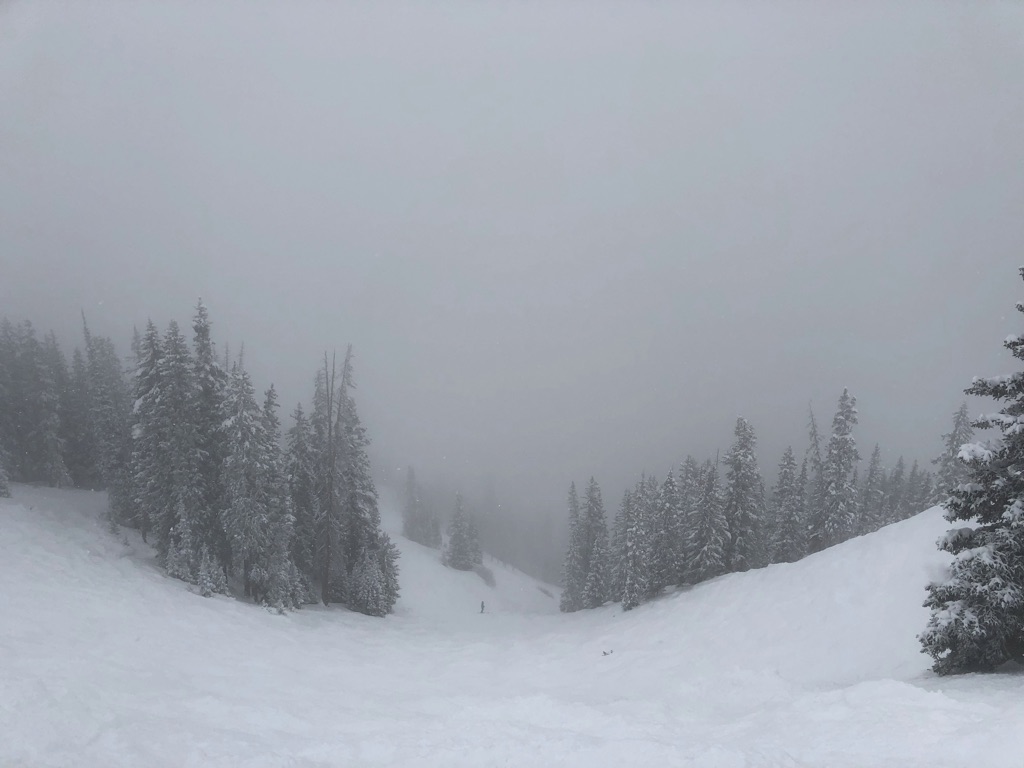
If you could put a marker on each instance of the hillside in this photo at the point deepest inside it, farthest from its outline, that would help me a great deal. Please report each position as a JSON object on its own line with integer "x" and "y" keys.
{"x": 104, "y": 661}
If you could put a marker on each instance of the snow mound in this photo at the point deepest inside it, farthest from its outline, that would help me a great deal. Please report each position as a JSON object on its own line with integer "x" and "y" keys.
{"x": 104, "y": 661}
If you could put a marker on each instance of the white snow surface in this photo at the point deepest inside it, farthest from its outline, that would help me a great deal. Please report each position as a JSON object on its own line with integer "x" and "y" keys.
{"x": 104, "y": 661}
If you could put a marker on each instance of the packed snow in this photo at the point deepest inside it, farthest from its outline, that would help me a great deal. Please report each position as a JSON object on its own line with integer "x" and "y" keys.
{"x": 105, "y": 661}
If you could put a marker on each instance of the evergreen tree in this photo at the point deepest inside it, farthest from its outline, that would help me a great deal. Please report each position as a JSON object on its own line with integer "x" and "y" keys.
{"x": 179, "y": 459}
{"x": 635, "y": 559}
{"x": 301, "y": 469}
{"x": 788, "y": 543}
{"x": 871, "y": 499}
{"x": 744, "y": 501}
{"x": 951, "y": 471}
{"x": 573, "y": 573}
{"x": 690, "y": 490}
{"x": 208, "y": 414}
{"x": 459, "y": 553}
{"x": 711, "y": 530}
{"x": 814, "y": 497}
{"x": 977, "y": 620}
{"x": 109, "y": 424}
{"x": 669, "y": 528}
{"x": 619, "y": 568}
{"x": 79, "y": 441}
{"x": 894, "y": 503}
{"x": 148, "y": 436}
{"x": 412, "y": 509}
{"x": 834, "y": 521}
{"x": 360, "y": 516}
{"x": 597, "y": 576}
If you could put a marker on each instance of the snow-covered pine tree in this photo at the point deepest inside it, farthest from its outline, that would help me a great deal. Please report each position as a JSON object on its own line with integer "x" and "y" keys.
{"x": 597, "y": 576}
{"x": 636, "y": 557}
{"x": 951, "y": 471}
{"x": 208, "y": 413}
{"x": 689, "y": 489}
{"x": 814, "y": 495}
{"x": 282, "y": 587}
{"x": 919, "y": 490}
{"x": 328, "y": 550}
{"x": 977, "y": 620}
{"x": 109, "y": 418}
{"x": 835, "y": 520}
{"x": 49, "y": 433}
{"x": 248, "y": 518}
{"x": 79, "y": 442}
{"x": 459, "y": 553}
{"x": 361, "y": 531}
{"x": 711, "y": 529}
{"x": 788, "y": 543}
{"x": 894, "y": 504}
{"x": 870, "y": 514}
{"x": 573, "y": 573}
{"x": 388, "y": 554}
{"x": 148, "y": 436}
{"x": 667, "y": 526}
{"x": 618, "y": 547}
{"x": 301, "y": 468}
{"x": 179, "y": 458}
{"x": 744, "y": 501}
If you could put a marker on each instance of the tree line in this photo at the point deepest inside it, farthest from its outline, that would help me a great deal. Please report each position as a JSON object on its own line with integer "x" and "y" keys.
{"x": 194, "y": 462}
{"x": 714, "y": 517}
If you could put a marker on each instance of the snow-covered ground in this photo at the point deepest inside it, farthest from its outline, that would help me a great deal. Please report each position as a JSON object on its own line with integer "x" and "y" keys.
{"x": 106, "y": 662}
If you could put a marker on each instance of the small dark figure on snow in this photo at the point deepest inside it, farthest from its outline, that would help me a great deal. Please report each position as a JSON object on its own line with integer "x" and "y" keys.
{"x": 481, "y": 606}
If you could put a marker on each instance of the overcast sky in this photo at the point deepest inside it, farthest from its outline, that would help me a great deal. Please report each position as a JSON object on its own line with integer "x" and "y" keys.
{"x": 565, "y": 238}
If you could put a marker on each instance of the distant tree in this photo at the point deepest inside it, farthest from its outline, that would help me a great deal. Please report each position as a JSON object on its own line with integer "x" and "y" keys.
{"x": 573, "y": 573}
{"x": 597, "y": 581}
{"x": 80, "y": 447}
{"x": 834, "y": 521}
{"x": 460, "y": 552}
{"x": 711, "y": 532}
{"x": 871, "y": 515}
{"x": 150, "y": 435}
{"x": 208, "y": 413}
{"x": 789, "y": 542}
{"x": 977, "y": 620}
{"x": 689, "y": 490}
{"x": 744, "y": 501}
{"x": 951, "y": 471}
{"x": 635, "y": 560}
{"x": 895, "y": 500}
{"x": 181, "y": 459}
{"x": 815, "y": 491}
{"x": 618, "y": 559}
{"x": 301, "y": 470}
{"x": 669, "y": 527}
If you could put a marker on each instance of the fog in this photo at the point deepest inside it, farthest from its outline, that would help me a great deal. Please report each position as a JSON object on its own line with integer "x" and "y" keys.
{"x": 564, "y": 238}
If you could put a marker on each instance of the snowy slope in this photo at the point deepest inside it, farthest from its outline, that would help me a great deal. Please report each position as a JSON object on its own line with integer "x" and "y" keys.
{"x": 106, "y": 662}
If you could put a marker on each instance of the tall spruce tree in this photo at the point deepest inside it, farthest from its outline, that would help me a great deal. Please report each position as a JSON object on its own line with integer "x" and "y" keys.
{"x": 597, "y": 571}
{"x": 977, "y": 620}
{"x": 744, "y": 501}
{"x": 573, "y": 573}
{"x": 711, "y": 529}
{"x": 951, "y": 471}
{"x": 109, "y": 424}
{"x": 460, "y": 551}
{"x": 871, "y": 514}
{"x": 208, "y": 413}
{"x": 789, "y": 541}
{"x": 179, "y": 460}
{"x": 148, "y": 436}
{"x": 690, "y": 490}
{"x": 894, "y": 504}
{"x": 815, "y": 492}
{"x": 835, "y": 520}
{"x": 362, "y": 538}
{"x": 301, "y": 469}
{"x": 669, "y": 530}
